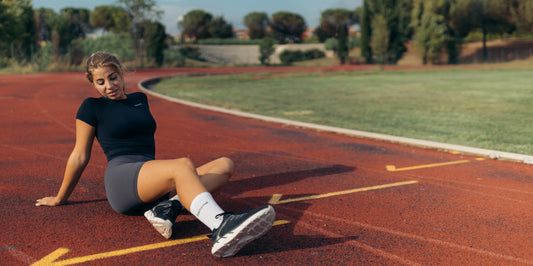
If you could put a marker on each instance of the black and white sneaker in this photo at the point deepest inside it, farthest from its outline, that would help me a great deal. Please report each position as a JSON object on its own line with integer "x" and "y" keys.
{"x": 163, "y": 216}
{"x": 237, "y": 230}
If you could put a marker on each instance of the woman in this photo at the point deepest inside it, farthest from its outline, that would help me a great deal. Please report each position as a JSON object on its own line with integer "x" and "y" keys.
{"x": 135, "y": 181}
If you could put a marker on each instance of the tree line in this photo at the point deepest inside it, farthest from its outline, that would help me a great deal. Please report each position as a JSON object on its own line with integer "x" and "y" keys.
{"x": 42, "y": 36}
{"x": 435, "y": 27}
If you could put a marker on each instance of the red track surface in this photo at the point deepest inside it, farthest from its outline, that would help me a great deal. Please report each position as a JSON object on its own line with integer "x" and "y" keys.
{"x": 470, "y": 212}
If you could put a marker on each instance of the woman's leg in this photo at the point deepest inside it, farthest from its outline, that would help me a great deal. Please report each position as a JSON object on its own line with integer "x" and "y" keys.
{"x": 215, "y": 174}
{"x": 158, "y": 177}
{"x": 212, "y": 175}
{"x": 230, "y": 231}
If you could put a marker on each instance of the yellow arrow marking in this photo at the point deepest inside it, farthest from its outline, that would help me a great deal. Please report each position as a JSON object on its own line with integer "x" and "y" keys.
{"x": 276, "y": 198}
{"x": 392, "y": 168}
{"x": 51, "y": 258}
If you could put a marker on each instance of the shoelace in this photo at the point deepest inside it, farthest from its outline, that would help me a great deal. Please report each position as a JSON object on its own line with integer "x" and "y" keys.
{"x": 222, "y": 214}
{"x": 217, "y": 216}
{"x": 171, "y": 209}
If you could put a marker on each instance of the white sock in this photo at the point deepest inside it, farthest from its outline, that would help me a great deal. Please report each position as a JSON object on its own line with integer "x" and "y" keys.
{"x": 175, "y": 198}
{"x": 206, "y": 209}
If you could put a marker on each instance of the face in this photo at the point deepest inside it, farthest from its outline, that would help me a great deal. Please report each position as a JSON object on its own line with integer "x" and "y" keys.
{"x": 108, "y": 83}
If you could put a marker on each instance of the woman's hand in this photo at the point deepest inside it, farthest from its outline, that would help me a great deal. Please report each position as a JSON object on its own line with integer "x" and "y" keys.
{"x": 48, "y": 201}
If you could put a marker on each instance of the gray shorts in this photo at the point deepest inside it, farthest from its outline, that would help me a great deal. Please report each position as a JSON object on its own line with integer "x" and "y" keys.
{"x": 121, "y": 183}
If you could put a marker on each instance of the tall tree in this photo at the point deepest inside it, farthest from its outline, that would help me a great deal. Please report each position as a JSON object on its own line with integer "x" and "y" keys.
{"x": 17, "y": 29}
{"x": 396, "y": 14}
{"x": 335, "y": 23}
{"x": 43, "y": 18}
{"x": 288, "y": 27}
{"x": 332, "y": 19}
{"x": 257, "y": 24}
{"x": 366, "y": 33}
{"x": 430, "y": 28}
{"x": 266, "y": 49}
{"x": 110, "y": 18}
{"x": 380, "y": 39}
{"x": 140, "y": 11}
{"x": 219, "y": 28}
{"x": 488, "y": 16}
{"x": 79, "y": 24}
{"x": 522, "y": 15}
{"x": 70, "y": 24}
{"x": 154, "y": 36}
{"x": 7, "y": 33}
{"x": 195, "y": 24}
{"x": 342, "y": 47}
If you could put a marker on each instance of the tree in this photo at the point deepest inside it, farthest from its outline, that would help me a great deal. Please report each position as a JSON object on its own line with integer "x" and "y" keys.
{"x": 154, "y": 35}
{"x": 522, "y": 15}
{"x": 43, "y": 18}
{"x": 430, "y": 28}
{"x": 488, "y": 16}
{"x": 140, "y": 11}
{"x": 17, "y": 29}
{"x": 380, "y": 39}
{"x": 342, "y": 49}
{"x": 266, "y": 49}
{"x": 70, "y": 24}
{"x": 110, "y": 18}
{"x": 7, "y": 33}
{"x": 257, "y": 24}
{"x": 394, "y": 17}
{"x": 219, "y": 28}
{"x": 288, "y": 27}
{"x": 195, "y": 24}
{"x": 357, "y": 15}
{"x": 332, "y": 19}
{"x": 335, "y": 23}
{"x": 366, "y": 32}
{"x": 79, "y": 24}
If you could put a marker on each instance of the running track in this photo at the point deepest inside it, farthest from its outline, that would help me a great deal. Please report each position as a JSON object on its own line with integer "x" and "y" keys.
{"x": 339, "y": 199}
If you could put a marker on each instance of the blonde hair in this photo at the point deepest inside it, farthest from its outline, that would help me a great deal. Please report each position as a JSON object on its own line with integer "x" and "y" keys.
{"x": 103, "y": 59}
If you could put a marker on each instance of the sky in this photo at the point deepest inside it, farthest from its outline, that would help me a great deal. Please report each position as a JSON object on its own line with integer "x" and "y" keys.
{"x": 233, "y": 11}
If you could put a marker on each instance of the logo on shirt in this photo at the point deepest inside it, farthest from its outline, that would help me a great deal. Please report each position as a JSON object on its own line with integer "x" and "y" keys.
{"x": 138, "y": 104}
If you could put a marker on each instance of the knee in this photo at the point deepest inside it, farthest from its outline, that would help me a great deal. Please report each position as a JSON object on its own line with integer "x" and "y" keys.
{"x": 228, "y": 165}
{"x": 183, "y": 164}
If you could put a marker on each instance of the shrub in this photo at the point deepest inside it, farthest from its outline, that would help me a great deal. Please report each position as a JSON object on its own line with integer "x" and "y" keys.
{"x": 354, "y": 42}
{"x": 229, "y": 41}
{"x": 266, "y": 49}
{"x": 287, "y": 56}
{"x": 190, "y": 52}
{"x": 4, "y": 62}
{"x": 119, "y": 44}
{"x": 174, "y": 58}
{"x": 314, "y": 54}
{"x": 331, "y": 44}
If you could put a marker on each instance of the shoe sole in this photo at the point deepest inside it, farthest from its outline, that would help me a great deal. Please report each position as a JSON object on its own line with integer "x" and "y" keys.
{"x": 164, "y": 227}
{"x": 252, "y": 228}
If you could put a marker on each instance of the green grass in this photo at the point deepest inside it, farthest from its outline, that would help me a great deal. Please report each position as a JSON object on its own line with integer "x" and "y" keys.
{"x": 491, "y": 109}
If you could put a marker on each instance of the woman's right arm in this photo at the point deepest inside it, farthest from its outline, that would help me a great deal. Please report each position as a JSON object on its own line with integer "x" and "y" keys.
{"x": 77, "y": 161}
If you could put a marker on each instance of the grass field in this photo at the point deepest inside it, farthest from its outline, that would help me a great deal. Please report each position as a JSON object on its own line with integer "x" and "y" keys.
{"x": 487, "y": 108}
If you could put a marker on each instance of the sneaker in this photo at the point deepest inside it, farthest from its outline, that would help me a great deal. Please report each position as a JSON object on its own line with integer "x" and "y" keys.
{"x": 237, "y": 230}
{"x": 163, "y": 215}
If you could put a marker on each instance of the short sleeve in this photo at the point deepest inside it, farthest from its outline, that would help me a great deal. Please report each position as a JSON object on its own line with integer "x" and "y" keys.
{"x": 87, "y": 112}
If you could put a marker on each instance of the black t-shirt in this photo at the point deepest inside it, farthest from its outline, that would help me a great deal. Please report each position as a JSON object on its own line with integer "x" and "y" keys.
{"x": 123, "y": 127}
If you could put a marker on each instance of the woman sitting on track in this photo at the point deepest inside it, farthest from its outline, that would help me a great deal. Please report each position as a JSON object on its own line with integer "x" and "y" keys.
{"x": 135, "y": 181}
